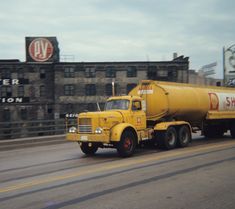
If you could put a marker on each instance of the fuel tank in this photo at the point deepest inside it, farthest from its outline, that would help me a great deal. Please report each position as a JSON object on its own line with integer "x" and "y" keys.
{"x": 178, "y": 101}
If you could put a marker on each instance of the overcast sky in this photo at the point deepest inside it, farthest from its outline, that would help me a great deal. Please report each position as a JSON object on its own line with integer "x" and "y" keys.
{"x": 122, "y": 30}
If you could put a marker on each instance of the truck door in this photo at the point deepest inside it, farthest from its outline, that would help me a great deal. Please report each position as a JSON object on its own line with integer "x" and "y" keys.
{"x": 138, "y": 118}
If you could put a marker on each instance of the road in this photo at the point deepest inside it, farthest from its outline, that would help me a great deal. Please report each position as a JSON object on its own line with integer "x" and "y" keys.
{"x": 60, "y": 176}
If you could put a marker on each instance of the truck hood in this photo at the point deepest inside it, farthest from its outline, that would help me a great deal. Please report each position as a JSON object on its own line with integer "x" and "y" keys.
{"x": 104, "y": 119}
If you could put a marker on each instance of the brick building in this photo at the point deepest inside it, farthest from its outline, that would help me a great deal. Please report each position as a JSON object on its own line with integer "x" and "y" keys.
{"x": 79, "y": 86}
{"x": 47, "y": 89}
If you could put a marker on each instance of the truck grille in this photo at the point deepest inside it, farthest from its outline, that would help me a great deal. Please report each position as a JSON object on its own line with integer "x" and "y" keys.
{"x": 84, "y": 125}
{"x": 84, "y": 128}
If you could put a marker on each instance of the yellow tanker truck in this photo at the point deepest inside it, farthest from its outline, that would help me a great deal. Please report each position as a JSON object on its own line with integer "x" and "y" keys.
{"x": 163, "y": 112}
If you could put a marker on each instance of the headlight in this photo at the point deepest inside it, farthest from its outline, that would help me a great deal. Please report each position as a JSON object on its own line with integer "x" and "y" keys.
{"x": 72, "y": 129}
{"x": 98, "y": 130}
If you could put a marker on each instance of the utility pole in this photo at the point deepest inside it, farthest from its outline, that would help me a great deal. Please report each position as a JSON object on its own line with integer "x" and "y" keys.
{"x": 224, "y": 67}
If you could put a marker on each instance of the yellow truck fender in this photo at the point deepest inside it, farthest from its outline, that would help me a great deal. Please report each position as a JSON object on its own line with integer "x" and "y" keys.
{"x": 165, "y": 125}
{"x": 117, "y": 130}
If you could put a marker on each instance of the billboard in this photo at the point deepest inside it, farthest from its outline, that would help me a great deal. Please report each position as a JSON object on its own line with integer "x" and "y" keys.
{"x": 229, "y": 63}
{"x": 42, "y": 49}
{"x": 209, "y": 69}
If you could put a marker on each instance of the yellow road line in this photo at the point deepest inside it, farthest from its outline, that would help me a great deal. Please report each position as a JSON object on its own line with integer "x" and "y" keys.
{"x": 123, "y": 163}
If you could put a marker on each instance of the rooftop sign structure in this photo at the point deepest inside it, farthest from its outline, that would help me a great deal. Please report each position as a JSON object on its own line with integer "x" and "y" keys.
{"x": 42, "y": 49}
{"x": 209, "y": 69}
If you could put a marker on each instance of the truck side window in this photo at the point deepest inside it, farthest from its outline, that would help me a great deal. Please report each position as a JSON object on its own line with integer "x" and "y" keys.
{"x": 136, "y": 105}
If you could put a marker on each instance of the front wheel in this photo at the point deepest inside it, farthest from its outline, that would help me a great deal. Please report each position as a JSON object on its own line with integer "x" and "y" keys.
{"x": 89, "y": 148}
{"x": 127, "y": 144}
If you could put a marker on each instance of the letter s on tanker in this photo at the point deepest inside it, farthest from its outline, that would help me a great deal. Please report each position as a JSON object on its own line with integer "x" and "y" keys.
{"x": 162, "y": 112}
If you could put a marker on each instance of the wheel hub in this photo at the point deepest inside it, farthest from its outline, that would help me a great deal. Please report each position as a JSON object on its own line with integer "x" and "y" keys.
{"x": 127, "y": 144}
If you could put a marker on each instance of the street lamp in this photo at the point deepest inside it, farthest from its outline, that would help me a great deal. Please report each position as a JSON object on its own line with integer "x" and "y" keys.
{"x": 229, "y": 63}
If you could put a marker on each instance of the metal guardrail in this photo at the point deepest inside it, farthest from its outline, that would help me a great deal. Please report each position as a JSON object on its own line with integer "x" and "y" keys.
{"x": 19, "y": 129}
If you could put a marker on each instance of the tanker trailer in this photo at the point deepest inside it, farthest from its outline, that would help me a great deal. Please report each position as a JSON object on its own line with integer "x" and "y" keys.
{"x": 161, "y": 112}
{"x": 209, "y": 109}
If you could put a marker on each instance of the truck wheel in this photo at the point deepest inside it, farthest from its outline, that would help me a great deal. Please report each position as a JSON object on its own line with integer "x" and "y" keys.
{"x": 127, "y": 144}
{"x": 184, "y": 136}
{"x": 88, "y": 150}
{"x": 168, "y": 138}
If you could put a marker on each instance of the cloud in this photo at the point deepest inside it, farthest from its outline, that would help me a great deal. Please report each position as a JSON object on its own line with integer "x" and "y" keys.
{"x": 108, "y": 30}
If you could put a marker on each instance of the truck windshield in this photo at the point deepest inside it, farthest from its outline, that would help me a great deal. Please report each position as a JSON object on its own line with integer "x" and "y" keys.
{"x": 117, "y": 104}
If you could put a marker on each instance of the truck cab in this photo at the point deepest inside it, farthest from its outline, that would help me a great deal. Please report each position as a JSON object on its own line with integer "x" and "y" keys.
{"x": 122, "y": 125}
{"x": 130, "y": 108}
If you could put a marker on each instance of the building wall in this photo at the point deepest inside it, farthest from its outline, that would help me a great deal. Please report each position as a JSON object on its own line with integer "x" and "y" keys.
{"x": 197, "y": 78}
{"x": 80, "y": 101}
{"x": 38, "y": 89}
{"x": 45, "y": 85}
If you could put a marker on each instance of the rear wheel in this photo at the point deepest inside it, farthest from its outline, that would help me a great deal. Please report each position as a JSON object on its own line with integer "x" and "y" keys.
{"x": 184, "y": 136}
{"x": 127, "y": 144}
{"x": 89, "y": 148}
{"x": 168, "y": 138}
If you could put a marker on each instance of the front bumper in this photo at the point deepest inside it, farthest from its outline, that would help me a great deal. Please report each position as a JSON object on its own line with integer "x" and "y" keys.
{"x": 102, "y": 138}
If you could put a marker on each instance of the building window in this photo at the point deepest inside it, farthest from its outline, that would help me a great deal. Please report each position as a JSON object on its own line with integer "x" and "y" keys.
{"x": 69, "y": 72}
{"x": 110, "y": 72}
{"x": 20, "y": 75}
{"x": 172, "y": 75}
{"x": 6, "y": 115}
{"x": 49, "y": 110}
{"x": 90, "y": 72}
{"x": 162, "y": 73}
{"x": 6, "y": 74}
{"x": 91, "y": 107}
{"x": 109, "y": 89}
{"x": 42, "y": 74}
{"x": 130, "y": 86}
{"x": 90, "y": 89}
{"x": 69, "y": 108}
{"x": 152, "y": 72}
{"x": 20, "y": 91}
{"x": 69, "y": 90}
{"x": 131, "y": 71}
{"x": 102, "y": 104}
{"x": 6, "y": 91}
{"x": 42, "y": 91}
{"x": 23, "y": 114}
{"x": 32, "y": 91}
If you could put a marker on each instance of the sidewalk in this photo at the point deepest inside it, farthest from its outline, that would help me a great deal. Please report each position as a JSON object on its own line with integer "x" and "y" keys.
{"x": 10, "y": 144}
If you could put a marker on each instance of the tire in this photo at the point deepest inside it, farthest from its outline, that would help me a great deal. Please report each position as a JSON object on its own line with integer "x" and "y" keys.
{"x": 168, "y": 138}
{"x": 88, "y": 150}
{"x": 184, "y": 136}
{"x": 127, "y": 144}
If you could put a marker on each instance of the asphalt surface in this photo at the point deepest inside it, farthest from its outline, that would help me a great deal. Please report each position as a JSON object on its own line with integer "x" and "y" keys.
{"x": 10, "y": 144}
{"x": 60, "y": 176}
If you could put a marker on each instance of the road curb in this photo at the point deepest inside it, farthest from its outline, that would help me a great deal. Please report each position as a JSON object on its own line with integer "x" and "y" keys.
{"x": 31, "y": 142}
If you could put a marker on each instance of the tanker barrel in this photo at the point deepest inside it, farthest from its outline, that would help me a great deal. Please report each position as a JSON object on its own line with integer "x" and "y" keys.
{"x": 183, "y": 101}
